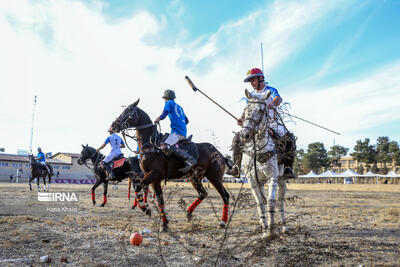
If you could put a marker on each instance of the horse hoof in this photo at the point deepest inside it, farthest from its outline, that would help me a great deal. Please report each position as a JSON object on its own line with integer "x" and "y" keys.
{"x": 221, "y": 225}
{"x": 189, "y": 216}
{"x": 148, "y": 212}
{"x": 133, "y": 207}
{"x": 102, "y": 205}
{"x": 268, "y": 236}
{"x": 284, "y": 230}
{"x": 94, "y": 203}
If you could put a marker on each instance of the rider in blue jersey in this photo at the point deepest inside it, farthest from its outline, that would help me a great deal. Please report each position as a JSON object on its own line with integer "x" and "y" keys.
{"x": 41, "y": 158}
{"x": 178, "y": 130}
{"x": 116, "y": 144}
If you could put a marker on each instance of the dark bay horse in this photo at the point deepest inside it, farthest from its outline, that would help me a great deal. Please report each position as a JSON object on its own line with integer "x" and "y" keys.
{"x": 156, "y": 166}
{"x": 130, "y": 169}
{"x": 37, "y": 171}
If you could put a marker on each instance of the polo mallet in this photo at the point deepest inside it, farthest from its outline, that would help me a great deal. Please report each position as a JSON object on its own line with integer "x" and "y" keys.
{"x": 197, "y": 89}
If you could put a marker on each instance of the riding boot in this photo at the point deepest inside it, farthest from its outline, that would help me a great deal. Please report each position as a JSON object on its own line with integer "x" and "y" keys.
{"x": 183, "y": 156}
{"x": 237, "y": 156}
{"x": 111, "y": 175}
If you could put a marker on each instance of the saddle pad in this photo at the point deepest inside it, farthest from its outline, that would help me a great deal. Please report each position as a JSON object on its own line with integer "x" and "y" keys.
{"x": 118, "y": 163}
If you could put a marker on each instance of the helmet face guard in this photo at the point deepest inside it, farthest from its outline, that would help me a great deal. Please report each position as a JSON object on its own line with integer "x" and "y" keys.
{"x": 255, "y": 72}
{"x": 169, "y": 94}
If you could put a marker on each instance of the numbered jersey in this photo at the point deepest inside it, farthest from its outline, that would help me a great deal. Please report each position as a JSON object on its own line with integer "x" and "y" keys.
{"x": 177, "y": 117}
{"x": 115, "y": 142}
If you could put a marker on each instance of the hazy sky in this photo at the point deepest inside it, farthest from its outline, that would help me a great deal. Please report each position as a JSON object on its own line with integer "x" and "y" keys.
{"x": 336, "y": 62}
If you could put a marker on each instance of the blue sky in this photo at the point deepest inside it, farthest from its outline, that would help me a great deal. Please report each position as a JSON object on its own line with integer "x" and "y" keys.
{"x": 336, "y": 62}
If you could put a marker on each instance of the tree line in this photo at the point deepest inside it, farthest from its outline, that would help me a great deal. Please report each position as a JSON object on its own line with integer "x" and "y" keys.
{"x": 317, "y": 158}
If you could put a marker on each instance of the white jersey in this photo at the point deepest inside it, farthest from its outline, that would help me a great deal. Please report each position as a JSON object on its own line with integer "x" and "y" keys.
{"x": 115, "y": 142}
{"x": 275, "y": 122}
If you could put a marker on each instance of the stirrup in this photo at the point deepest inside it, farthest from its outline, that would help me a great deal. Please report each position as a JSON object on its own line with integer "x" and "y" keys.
{"x": 188, "y": 166}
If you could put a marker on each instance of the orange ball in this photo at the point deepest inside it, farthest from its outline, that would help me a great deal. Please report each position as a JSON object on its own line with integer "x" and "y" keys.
{"x": 136, "y": 239}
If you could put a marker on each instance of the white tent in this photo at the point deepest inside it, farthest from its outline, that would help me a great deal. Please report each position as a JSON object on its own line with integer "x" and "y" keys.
{"x": 311, "y": 174}
{"x": 370, "y": 174}
{"x": 349, "y": 173}
{"x": 391, "y": 174}
{"x": 328, "y": 174}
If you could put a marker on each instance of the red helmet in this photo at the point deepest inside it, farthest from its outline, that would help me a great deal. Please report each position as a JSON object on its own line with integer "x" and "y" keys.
{"x": 254, "y": 72}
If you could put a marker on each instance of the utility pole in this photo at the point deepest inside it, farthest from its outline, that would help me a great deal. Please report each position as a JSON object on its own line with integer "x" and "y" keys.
{"x": 262, "y": 57}
{"x": 33, "y": 117}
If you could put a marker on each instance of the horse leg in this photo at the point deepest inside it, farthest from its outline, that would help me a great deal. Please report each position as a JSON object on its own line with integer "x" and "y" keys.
{"x": 281, "y": 202}
{"x": 129, "y": 188}
{"x": 259, "y": 195}
{"x": 272, "y": 186}
{"x": 215, "y": 178}
{"x": 147, "y": 210}
{"x": 30, "y": 180}
{"x": 48, "y": 184}
{"x": 98, "y": 182}
{"x": 44, "y": 183}
{"x": 160, "y": 200}
{"x": 105, "y": 186}
{"x": 197, "y": 184}
{"x": 37, "y": 182}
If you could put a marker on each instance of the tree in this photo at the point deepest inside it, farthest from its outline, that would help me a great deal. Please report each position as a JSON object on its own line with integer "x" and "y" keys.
{"x": 298, "y": 165}
{"x": 396, "y": 157}
{"x": 335, "y": 154}
{"x": 364, "y": 152}
{"x": 316, "y": 157}
{"x": 393, "y": 149}
{"x": 382, "y": 152}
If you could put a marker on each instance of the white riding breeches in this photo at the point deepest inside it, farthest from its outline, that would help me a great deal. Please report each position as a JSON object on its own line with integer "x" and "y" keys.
{"x": 111, "y": 156}
{"x": 173, "y": 138}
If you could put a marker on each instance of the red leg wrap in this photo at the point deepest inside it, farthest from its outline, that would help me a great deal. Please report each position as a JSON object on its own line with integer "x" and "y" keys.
{"x": 225, "y": 213}
{"x": 194, "y": 205}
{"x": 93, "y": 196}
{"x": 104, "y": 199}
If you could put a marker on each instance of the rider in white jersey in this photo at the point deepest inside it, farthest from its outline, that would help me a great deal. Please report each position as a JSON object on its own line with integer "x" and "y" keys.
{"x": 116, "y": 144}
{"x": 256, "y": 78}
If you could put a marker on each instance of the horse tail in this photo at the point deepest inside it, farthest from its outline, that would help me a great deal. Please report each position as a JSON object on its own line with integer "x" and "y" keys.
{"x": 225, "y": 160}
{"x": 228, "y": 163}
{"x": 51, "y": 169}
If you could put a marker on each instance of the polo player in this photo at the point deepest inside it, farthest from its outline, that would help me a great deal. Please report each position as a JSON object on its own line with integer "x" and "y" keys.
{"x": 282, "y": 137}
{"x": 116, "y": 144}
{"x": 178, "y": 130}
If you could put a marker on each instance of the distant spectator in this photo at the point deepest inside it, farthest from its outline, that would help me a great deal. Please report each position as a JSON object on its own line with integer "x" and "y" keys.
{"x": 58, "y": 173}
{"x": 11, "y": 178}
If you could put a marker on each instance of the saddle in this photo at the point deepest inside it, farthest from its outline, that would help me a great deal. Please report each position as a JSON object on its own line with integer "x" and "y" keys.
{"x": 118, "y": 161}
{"x": 175, "y": 164}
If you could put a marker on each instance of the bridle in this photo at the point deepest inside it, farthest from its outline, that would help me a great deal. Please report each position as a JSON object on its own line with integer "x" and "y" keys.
{"x": 95, "y": 162}
{"x": 123, "y": 127}
{"x": 254, "y": 122}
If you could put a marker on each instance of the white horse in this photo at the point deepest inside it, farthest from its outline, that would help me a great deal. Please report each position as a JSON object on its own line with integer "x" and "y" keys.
{"x": 262, "y": 157}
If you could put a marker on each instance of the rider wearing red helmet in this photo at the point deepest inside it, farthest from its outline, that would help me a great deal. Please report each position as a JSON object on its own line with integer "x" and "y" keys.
{"x": 255, "y": 77}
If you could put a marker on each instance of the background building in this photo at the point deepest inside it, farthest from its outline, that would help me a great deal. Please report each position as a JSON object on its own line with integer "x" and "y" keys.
{"x": 65, "y": 166}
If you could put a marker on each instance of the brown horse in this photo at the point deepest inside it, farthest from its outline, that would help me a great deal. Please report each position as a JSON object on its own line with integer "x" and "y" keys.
{"x": 156, "y": 166}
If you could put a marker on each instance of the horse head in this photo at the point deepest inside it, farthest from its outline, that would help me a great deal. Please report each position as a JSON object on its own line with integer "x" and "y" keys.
{"x": 32, "y": 160}
{"x": 255, "y": 116}
{"x": 129, "y": 118}
{"x": 86, "y": 153}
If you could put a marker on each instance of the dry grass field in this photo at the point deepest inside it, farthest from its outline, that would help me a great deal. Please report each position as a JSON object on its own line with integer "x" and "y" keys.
{"x": 329, "y": 225}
